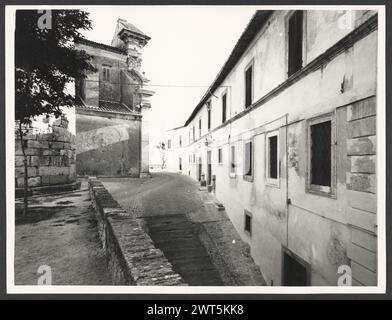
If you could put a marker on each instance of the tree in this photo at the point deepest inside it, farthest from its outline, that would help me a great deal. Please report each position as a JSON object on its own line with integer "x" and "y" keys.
{"x": 162, "y": 149}
{"x": 45, "y": 61}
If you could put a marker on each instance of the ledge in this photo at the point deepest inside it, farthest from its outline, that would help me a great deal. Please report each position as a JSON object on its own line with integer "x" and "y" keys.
{"x": 130, "y": 253}
{"x": 57, "y": 188}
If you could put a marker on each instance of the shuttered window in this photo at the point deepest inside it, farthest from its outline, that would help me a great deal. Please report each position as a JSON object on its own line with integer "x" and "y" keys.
{"x": 224, "y": 103}
{"x": 320, "y": 157}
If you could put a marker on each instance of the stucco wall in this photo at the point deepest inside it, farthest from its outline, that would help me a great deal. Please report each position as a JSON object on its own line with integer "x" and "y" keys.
{"x": 324, "y": 231}
{"x": 107, "y": 145}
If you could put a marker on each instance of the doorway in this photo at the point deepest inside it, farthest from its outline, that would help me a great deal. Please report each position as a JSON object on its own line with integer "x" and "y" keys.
{"x": 209, "y": 168}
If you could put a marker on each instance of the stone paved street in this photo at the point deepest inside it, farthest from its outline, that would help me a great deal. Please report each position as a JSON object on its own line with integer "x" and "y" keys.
{"x": 199, "y": 241}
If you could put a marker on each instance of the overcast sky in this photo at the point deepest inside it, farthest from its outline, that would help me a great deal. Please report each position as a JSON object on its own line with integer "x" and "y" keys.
{"x": 188, "y": 47}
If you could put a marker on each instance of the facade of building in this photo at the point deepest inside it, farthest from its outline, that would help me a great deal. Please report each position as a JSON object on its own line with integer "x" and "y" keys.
{"x": 286, "y": 139}
{"x": 112, "y": 121}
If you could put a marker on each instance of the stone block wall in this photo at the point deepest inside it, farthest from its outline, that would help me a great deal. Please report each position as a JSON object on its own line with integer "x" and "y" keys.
{"x": 131, "y": 256}
{"x": 50, "y": 157}
{"x": 361, "y": 183}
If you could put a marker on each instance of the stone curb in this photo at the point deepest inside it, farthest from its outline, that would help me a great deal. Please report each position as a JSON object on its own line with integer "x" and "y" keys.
{"x": 130, "y": 253}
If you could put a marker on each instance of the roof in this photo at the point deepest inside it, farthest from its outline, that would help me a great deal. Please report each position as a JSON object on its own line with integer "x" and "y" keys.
{"x": 254, "y": 26}
{"x": 100, "y": 45}
{"x": 108, "y": 106}
{"x": 130, "y": 27}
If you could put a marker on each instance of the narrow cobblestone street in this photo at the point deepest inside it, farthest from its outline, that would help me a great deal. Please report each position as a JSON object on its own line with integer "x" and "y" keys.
{"x": 196, "y": 238}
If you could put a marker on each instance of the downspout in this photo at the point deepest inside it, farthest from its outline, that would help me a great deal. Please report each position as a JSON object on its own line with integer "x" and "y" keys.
{"x": 288, "y": 201}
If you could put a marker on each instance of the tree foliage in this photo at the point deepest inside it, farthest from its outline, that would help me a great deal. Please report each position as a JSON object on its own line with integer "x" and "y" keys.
{"x": 46, "y": 60}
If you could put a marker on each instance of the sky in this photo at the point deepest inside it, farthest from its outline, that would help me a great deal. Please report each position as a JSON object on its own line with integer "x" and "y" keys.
{"x": 188, "y": 47}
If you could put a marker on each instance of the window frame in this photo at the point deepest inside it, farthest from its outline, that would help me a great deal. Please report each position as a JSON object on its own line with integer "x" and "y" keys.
{"x": 318, "y": 189}
{"x": 245, "y": 176}
{"x": 249, "y": 65}
{"x": 250, "y": 215}
{"x": 106, "y": 73}
{"x": 272, "y": 181}
{"x": 220, "y": 156}
{"x": 232, "y": 171}
{"x": 209, "y": 115}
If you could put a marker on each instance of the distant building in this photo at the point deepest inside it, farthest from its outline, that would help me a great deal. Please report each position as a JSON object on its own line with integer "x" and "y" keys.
{"x": 286, "y": 139}
{"x": 112, "y": 122}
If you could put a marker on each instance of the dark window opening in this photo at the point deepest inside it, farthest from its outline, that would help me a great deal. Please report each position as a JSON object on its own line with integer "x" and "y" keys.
{"x": 248, "y": 222}
{"x": 320, "y": 156}
{"x": 219, "y": 155}
{"x": 224, "y": 102}
{"x": 180, "y": 141}
{"x": 168, "y": 144}
{"x": 106, "y": 73}
{"x": 193, "y": 133}
{"x": 248, "y": 86}
{"x": 248, "y": 159}
{"x": 273, "y": 157}
{"x": 180, "y": 164}
{"x": 295, "y": 272}
{"x": 295, "y": 42}
{"x": 199, "y": 127}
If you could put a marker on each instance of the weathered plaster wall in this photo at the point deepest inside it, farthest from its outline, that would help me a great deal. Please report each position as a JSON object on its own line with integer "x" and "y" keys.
{"x": 325, "y": 232}
{"x": 107, "y": 145}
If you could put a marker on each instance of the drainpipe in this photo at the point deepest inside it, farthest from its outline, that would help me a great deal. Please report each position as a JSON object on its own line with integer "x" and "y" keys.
{"x": 288, "y": 201}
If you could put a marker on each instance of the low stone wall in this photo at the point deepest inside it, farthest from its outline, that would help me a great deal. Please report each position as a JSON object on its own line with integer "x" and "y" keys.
{"x": 50, "y": 160}
{"x": 131, "y": 255}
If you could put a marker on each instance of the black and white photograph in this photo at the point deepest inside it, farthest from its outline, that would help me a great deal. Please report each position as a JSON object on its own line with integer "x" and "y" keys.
{"x": 195, "y": 149}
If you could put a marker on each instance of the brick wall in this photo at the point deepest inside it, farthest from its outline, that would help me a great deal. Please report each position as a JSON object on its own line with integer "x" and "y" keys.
{"x": 361, "y": 183}
{"x": 50, "y": 157}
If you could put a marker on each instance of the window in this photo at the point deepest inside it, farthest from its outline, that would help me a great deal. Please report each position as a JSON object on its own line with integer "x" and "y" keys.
{"x": 180, "y": 141}
{"x": 296, "y": 272}
{"x": 168, "y": 144}
{"x": 224, "y": 104}
{"x": 180, "y": 163}
{"x": 220, "y": 155}
{"x": 321, "y": 156}
{"x": 248, "y": 86}
{"x": 248, "y": 222}
{"x": 209, "y": 115}
{"x": 295, "y": 38}
{"x": 200, "y": 128}
{"x": 248, "y": 165}
{"x": 106, "y": 73}
{"x": 272, "y": 168}
{"x": 232, "y": 161}
{"x": 193, "y": 133}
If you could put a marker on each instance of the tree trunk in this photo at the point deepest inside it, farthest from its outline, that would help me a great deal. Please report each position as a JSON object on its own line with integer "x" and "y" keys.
{"x": 26, "y": 180}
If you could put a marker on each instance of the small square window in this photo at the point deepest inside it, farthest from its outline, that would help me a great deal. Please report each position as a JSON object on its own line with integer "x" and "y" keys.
{"x": 248, "y": 163}
{"x": 248, "y": 222}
